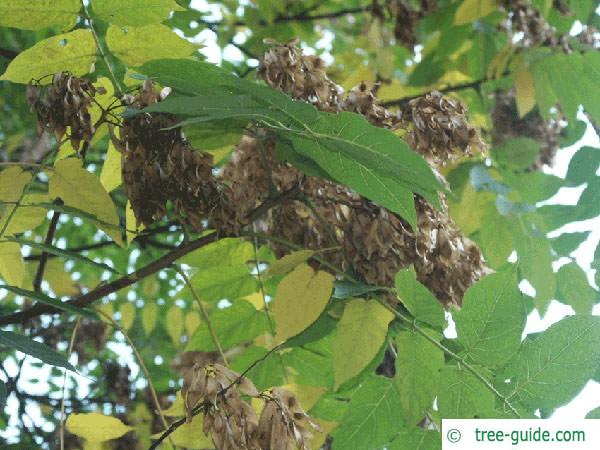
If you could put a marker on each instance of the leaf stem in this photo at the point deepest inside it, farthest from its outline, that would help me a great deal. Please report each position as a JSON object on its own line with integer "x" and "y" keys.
{"x": 204, "y": 312}
{"x": 114, "y": 324}
{"x": 461, "y": 360}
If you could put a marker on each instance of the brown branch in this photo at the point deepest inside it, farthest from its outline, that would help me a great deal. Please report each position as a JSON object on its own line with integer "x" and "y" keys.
{"x": 453, "y": 88}
{"x": 39, "y": 275}
{"x": 105, "y": 289}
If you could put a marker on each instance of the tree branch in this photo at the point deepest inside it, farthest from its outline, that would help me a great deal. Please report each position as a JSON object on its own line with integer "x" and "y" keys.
{"x": 453, "y": 88}
{"x": 108, "y": 288}
{"x": 39, "y": 275}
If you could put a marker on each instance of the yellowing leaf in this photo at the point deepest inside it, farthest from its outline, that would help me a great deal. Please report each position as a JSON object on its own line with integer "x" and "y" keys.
{"x": 192, "y": 322}
{"x": 299, "y": 300}
{"x": 73, "y": 52}
{"x": 60, "y": 281}
{"x": 177, "y": 408}
{"x": 257, "y": 300}
{"x": 149, "y": 316}
{"x": 95, "y": 427}
{"x": 130, "y": 224}
{"x": 472, "y": 10}
{"x": 127, "y": 311}
{"x": 308, "y": 396}
{"x": 81, "y": 189}
{"x": 360, "y": 334}
{"x": 289, "y": 262}
{"x": 134, "y": 12}
{"x": 190, "y": 435}
{"x": 103, "y": 101}
{"x": 12, "y": 267}
{"x": 110, "y": 177}
{"x": 36, "y": 14}
{"x": 525, "y": 91}
{"x": 26, "y": 218}
{"x": 140, "y": 44}
{"x": 12, "y": 182}
{"x": 174, "y": 324}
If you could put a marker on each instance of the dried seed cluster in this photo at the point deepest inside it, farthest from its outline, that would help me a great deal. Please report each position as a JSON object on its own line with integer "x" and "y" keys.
{"x": 64, "y": 104}
{"x": 508, "y": 125}
{"x": 231, "y": 421}
{"x": 159, "y": 166}
{"x": 523, "y": 17}
{"x": 439, "y": 129}
{"x": 405, "y": 16}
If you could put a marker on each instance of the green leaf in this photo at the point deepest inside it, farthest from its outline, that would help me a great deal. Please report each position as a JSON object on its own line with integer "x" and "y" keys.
{"x": 300, "y": 299}
{"x": 219, "y": 282}
{"x": 136, "y": 45}
{"x": 567, "y": 243}
{"x": 134, "y": 12}
{"x": 43, "y": 298}
{"x": 552, "y": 368}
{"x": 518, "y": 153}
{"x": 495, "y": 237}
{"x": 536, "y": 266}
{"x": 270, "y": 372}
{"x": 344, "y": 289}
{"x": 174, "y": 324}
{"x": 80, "y": 189}
{"x": 36, "y": 14}
{"x": 360, "y": 334}
{"x": 418, "y": 300}
{"x": 234, "y": 325}
{"x": 35, "y": 349}
{"x": 583, "y": 165}
{"x": 574, "y": 289}
{"x": 73, "y": 52}
{"x": 224, "y": 252}
{"x": 417, "y": 439}
{"x": 373, "y": 417}
{"x": 149, "y": 317}
{"x": 417, "y": 368}
{"x": 593, "y": 414}
{"x": 461, "y": 394}
{"x": 492, "y": 319}
{"x": 64, "y": 253}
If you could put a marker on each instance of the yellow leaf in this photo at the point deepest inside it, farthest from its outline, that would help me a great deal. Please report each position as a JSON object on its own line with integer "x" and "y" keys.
{"x": 319, "y": 437}
{"x": 467, "y": 212}
{"x": 525, "y": 91}
{"x": 149, "y": 315}
{"x": 192, "y": 322}
{"x": 174, "y": 324}
{"x": 127, "y": 311}
{"x": 308, "y": 396}
{"x": 136, "y": 45}
{"x": 81, "y": 189}
{"x": 110, "y": 177}
{"x": 65, "y": 150}
{"x": 12, "y": 183}
{"x": 130, "y": 224}
{"x": 37, "y": 14}
{"x": 299, "y": 300}
{"x": 190, "y": 435}
{"x": 289, "y": 262}
{"x": 363, "y": 73}
{"x": 73, "y": 52}
{"x": 177, "y": 408}
{"x": 256, "y": 299}
{"x": 95, "y": 427}
{"x": 58, "y": 278}
{"x": 106, "y": 308}
{"x": 103, "y": 101}
{"x": 472, "y": 10}
{"x": 360, "y": 334}
{"x": 12, "y": 267}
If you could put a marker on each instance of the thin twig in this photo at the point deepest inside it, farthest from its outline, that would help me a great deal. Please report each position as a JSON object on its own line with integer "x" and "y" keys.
{"x": 64, "y": 387}
{"x": 39, "y": 275}
{"x": 114, "y": 323}
{"x": 200, "y": 303}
